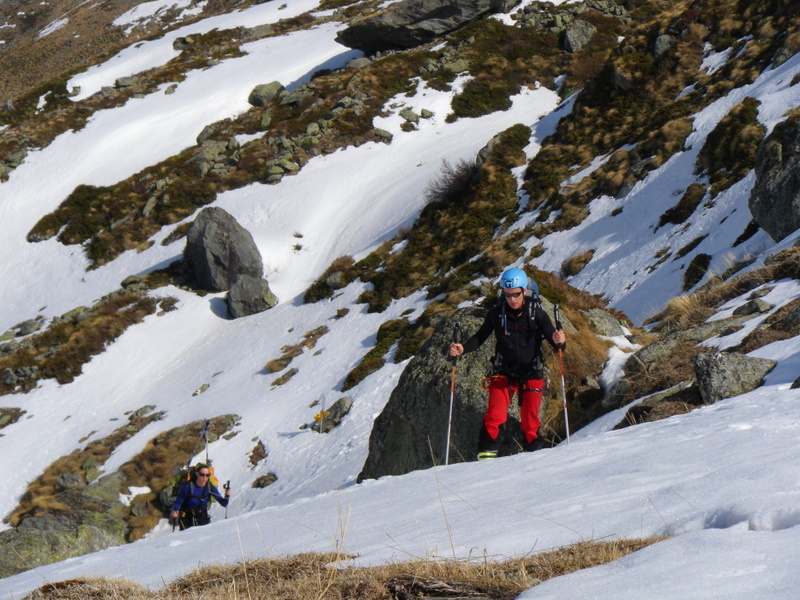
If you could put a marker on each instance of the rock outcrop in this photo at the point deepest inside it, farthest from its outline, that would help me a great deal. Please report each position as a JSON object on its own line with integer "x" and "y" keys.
{"x": 218, "y": 250}
{"x": 556, "y": 19}
{"x": 92, "y": 521}
{"x": 578, "y": 35}
{"x": 775, "y": 199}
{"x": 603, "y": 323}
{"x": 411, "y": 432}
{"x": 648, "y": 358}
{"x": 723, "y": 375}
{"x": 410, "y": 23}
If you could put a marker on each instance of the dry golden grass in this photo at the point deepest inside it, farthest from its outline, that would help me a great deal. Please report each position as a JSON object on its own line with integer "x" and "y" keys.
{"x": 308, "y": 342}
{"x": 331, "y": 576}
{"x": 42, "y": 494}
{"x": 583, "y": 358}
{"x": 576, "y": 264}
{"x": 153, "y": 467}
{"x": 61, "y": 350}
{"x": 681, "y": 311}
{"x": 94, "y": 588}
{"x": 693, "y": 309}
{"x": 664, "y": 374}
{"x": 780, "y": 325}
{"x": 284, "y": 378}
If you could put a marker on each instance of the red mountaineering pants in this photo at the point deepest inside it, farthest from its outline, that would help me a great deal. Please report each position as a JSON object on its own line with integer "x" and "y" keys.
{"x": 501, "y": 391}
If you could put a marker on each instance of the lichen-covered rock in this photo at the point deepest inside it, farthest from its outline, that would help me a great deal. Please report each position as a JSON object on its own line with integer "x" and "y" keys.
{"x": 91, "y": 520}
{"x": 249, "y": 296}
{"x": 724, "y": 375}
{"x": 603, "y": 323}
{"x": 410, "y": 433}
{"x": 578, "y": 35}
{"x": 262, "y": 94}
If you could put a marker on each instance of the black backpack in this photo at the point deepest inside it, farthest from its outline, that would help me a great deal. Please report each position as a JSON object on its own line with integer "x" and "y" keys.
{"x": 533, "y": 302}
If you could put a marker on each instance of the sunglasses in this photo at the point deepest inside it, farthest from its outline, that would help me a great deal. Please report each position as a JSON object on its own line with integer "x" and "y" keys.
{"x": 203, "y": 474}
{"x": 512, "y": 295}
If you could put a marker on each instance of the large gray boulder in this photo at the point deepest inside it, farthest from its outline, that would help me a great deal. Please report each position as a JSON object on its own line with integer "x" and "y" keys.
{"x": 218, "y": 250}
{"x": 775, "y": 199}
{"x": 249, "y": 296}
{"x": 409, "y": 23}
{"x": 411, "y": 432}
{"x": 723, "y": 375}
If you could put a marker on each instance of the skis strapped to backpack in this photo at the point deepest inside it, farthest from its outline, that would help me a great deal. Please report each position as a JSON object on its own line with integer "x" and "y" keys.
{"x": 185, "y": 474}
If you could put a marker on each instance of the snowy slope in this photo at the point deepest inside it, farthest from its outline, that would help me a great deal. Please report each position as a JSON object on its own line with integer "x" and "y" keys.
{"x": 712, "y": 475}
{"x": 163, "y": 361}
{"x": 626, "y": 244}
{"x": 708, "y": 477}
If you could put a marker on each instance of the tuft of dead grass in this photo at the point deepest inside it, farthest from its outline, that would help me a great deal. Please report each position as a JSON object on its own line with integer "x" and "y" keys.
{"x": 332, "y": 576}
{"x": 290, "y": 352}
{"x": 584, "y": 358}
{"x": 576, "y": 264}
{"x": 96, "y": 588}
{"x": 682, "y": 312}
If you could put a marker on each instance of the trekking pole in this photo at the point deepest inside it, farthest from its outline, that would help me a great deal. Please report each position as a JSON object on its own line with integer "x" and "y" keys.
{"x": 205, "y": 435}
{"x": 561, "y": 368}
{"x": 226, "y": 487}
{"x": 454, "y": 359}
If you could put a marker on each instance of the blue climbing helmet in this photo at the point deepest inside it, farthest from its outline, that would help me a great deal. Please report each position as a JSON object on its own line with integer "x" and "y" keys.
{"x": 514, "y": 278}
{"x": 517, "y": 278}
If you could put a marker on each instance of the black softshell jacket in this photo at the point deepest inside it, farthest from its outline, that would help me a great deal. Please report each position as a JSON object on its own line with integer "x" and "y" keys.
{"x": 518, "y": 342}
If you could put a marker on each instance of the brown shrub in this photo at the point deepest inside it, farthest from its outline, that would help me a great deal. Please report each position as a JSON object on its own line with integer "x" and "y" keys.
{"x": 284, "y": 378}
{"x": 690, "y": 200}
{"x": 696, "y": 270}
{"x": 576, "y": 264}
{"x": 308, "y": 342}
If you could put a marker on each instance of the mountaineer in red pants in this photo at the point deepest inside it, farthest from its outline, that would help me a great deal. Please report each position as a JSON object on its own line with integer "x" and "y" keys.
{"x": 519, "y": 324}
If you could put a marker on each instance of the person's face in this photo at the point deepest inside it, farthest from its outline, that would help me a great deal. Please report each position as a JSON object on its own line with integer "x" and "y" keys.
{"x": 202, "y": 476}
{"x": 514, "y": 297}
